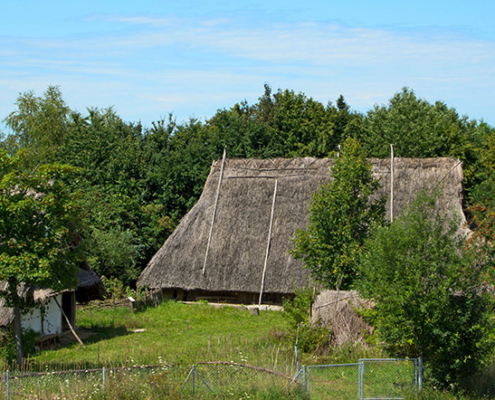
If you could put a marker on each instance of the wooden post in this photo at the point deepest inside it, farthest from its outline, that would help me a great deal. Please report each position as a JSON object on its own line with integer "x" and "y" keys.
{"x": 268, "y": 241}
{"x": 133, "y": 302}
{"x": 68, "y": 323}
{"x": 391, "y": 183}
{"x": 214, "y": 210}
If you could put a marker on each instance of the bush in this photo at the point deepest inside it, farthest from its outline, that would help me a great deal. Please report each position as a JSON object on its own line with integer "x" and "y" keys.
{"x": 114, "y": 288}
{"x": 297, "y": 312}
{"x": 115, "y": 252}
{"x": 429, "y": 294}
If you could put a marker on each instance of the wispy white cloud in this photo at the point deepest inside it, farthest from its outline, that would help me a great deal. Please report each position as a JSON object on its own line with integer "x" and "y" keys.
{"x": 141, "y": 20}
{"x": 171, "y": 63}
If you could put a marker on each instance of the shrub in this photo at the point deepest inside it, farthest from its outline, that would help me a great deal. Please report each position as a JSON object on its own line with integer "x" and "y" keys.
{"x": 297, "y": 312}
{"x": 429, "y": 294}
{"x": 114, "y": 288}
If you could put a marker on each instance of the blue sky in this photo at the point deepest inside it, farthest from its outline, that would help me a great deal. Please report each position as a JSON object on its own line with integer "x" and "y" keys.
{"x": 189, "y": 57}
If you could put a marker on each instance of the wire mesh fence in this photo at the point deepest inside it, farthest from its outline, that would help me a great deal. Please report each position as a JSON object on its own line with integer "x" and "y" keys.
{"x": 144, "y": 382}
{"x": 333, "y": 381}
{"x": 367, "y": 379}
{"x": 236, "y": 380}
{"x": 388, "y": 378}
{"x": 204, "y": 380}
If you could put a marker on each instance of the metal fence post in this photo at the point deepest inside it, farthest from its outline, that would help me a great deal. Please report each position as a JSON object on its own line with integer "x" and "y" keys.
{"x": 8, "y": 391}
{"x": 193, "y": 373}
{"x": 361, "y": 380}
{"x": 103, "y": 378}
{"x": 297, "y": 358}
{"x": 304, "y": 378}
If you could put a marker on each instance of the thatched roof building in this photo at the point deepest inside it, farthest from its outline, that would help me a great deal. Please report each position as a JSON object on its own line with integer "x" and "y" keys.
{"x": 235, "y": 242}
{"x": 89, "y": 286}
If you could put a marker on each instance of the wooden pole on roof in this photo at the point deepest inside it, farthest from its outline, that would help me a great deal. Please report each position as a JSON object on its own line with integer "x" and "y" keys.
{"x": 391, "y": 183}
{"x": 268, "y": 241}
{"x": 214, "y": 209}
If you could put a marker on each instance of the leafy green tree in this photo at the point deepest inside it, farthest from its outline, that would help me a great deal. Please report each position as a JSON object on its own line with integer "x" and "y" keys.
{"x": 39, "y": 226}
{"x": 38, "y": 126}
{"x": 114, "y": 252}
{"x": 302, "y": 125}
{"x": 482, "y": 240}
{"x": 420, "y": 129}
{"x": 429, "y": 293}
{"x": 346, "y": 123}
{"x": 342, "y": 215}
{"x": 482, "y": 193}
{"x": 242, "y": 132}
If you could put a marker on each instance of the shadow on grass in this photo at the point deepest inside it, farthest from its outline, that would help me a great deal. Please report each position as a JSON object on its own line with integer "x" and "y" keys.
{"x": 99, "y": 333}
{"x": 90, "y": 336}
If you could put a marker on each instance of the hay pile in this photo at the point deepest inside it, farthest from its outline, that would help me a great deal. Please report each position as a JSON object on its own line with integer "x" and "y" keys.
{"x": 336, "y": 309}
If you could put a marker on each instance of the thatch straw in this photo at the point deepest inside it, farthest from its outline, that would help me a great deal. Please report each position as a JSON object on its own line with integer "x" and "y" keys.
{"x": 87, "y": 280}
{"x": 242, "y": 222}
{"x": 336, "y": 309}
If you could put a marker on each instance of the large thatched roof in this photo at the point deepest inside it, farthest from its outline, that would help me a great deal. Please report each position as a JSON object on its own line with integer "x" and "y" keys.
{"x": 247, "y": 212}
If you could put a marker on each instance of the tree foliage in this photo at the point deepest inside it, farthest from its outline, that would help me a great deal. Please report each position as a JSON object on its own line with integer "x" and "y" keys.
{"x": 37, "y": 126}
{"x": 420, "y": 129}
{"x": 342, "y": 215}
{"x": 39, "y": 226}
{"x": 482, "y": 192}
{"x": 143, "y": 180}
{"x": 482, "y": 241}
{"x": 115, "y": 253}
{"x": 429, "y": 293}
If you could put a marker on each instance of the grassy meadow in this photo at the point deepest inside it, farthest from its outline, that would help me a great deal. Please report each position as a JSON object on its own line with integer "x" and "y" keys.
{"x": 172, "y": 332}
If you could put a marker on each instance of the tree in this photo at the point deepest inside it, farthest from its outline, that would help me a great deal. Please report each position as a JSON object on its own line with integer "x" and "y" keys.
{"x": 429, "y": 293}
{"x": 483, "y": 191}
{"x": 39, "y": 223}
{"x": 483, "y": 238}
{"x": 342, "y": 215}
{"x": 114, "y": 253}
{"x": 38, "y": 126}
{"x": 420, "y": 129}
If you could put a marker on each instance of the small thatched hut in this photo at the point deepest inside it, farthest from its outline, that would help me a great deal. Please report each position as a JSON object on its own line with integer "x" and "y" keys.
{"x": 235, "y": 242}
{"x": 47, "y": 318}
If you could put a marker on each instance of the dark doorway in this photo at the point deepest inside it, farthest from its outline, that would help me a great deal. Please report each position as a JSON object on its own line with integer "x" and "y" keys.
{"x": 69, "y": 308}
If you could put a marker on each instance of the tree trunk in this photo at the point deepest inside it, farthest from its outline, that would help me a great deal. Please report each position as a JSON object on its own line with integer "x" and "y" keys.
{"x": 18, "y": 333}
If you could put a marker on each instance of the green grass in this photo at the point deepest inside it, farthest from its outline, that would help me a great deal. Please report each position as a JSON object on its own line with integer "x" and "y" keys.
{"x": 173, "y": 337}
{"x": 174, "y": 333}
